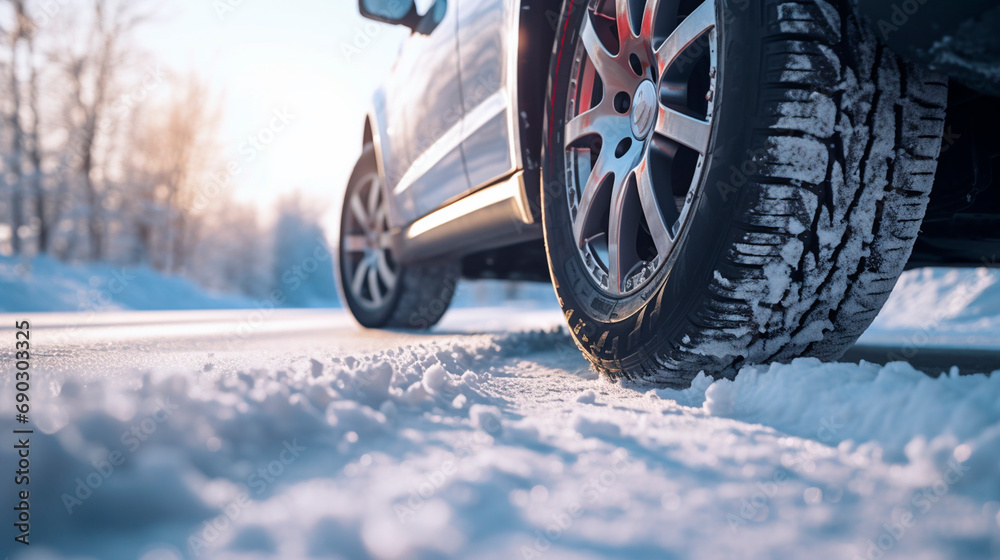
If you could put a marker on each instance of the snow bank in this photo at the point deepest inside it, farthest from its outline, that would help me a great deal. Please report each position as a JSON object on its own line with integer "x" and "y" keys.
{"x": 45, "y": 284}
{"x": 495, "y": 446}
{"x": 908, "y": 416}
{"x": 941, "y": 307}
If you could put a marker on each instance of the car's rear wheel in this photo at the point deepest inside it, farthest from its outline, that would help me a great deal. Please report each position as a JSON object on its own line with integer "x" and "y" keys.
{"x": 379, "y": 291}
{"x": 729, "y": 182}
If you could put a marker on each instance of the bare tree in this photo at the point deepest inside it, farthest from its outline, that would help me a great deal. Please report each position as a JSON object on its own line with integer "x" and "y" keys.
{"x": 35, "y": 148}
{"x": 173, "y": 155}
{"x": 132, "y": 180}
{"x": 91, "y": 77}
{"x": 22, "y": 27}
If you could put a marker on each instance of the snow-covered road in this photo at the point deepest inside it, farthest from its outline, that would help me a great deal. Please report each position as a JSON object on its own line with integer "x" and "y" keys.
{"x": 294, "y": 435}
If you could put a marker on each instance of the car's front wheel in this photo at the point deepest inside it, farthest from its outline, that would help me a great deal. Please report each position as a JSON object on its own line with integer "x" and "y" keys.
{"x": 729, "y": 182}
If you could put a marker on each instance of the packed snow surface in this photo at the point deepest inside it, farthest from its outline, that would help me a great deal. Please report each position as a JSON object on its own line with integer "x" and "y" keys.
{"x": 507, "y": 446}
{"x": 491, "y": 437}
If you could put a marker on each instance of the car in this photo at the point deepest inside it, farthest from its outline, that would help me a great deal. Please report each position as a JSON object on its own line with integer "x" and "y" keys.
{"x": 706, "y": 183}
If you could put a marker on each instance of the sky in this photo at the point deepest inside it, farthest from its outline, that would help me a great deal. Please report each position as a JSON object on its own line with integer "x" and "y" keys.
{"x": 314, "y": 63}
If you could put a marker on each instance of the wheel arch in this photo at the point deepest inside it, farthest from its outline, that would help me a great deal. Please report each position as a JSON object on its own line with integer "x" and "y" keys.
{"x": 369, "y": 136}
{"x": 537, "y": 23}
{"x": 374, "y": 131}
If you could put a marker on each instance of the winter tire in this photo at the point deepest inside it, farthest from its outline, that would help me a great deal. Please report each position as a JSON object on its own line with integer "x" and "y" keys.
{"x": 729, "y": 182}
{"x": 379, "y": 291}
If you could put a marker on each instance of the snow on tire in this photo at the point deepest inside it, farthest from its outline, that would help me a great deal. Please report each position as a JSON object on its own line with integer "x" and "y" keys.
{"x": 816, "y": 179}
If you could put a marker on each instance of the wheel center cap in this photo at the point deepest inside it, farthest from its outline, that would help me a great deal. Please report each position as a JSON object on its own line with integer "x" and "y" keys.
{"x": 643, "y": 109}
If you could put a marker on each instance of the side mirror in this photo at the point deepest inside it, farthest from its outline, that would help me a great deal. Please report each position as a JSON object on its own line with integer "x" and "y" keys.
{"x": 405, "y": 13}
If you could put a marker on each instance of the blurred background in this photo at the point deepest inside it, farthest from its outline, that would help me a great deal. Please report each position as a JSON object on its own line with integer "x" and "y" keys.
{"x": 179, "y": 154}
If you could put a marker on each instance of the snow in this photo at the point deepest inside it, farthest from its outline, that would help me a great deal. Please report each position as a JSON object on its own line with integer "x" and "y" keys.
{"x": 943, "y": 307}
{"x": 45, "y": 284}
{"x": 506, "y": 446}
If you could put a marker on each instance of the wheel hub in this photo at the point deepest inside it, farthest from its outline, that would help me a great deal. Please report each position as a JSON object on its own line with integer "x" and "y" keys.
{"x": 643, "y": 109}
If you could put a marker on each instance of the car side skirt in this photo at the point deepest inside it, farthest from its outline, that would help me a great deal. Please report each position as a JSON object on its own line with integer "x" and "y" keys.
{"x": 494, "y": 216}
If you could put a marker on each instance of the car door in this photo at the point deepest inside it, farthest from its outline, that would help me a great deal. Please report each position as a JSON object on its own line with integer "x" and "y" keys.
{"x": 487, "y": 39}
{"x": 424, "y": 119}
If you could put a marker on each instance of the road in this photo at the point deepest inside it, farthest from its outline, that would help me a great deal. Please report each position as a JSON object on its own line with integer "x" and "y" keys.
{"x": 293, "y": 434}
{"x": 107, "y": 344}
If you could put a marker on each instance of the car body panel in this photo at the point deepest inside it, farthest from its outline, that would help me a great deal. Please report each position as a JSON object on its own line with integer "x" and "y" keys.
{"x": 487, "y": 37}
{"x": 444, "y": 125}
{"x": 420, "y": 121}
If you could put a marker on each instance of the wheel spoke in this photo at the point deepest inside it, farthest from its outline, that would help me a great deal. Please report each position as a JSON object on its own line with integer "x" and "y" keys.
{"x": 696, "y": 24}
{"x": 374, "y": 193}
{"x": 379, "y": 223}
{"x": 612, "y": 73}
{"x": 373, "y": 286}
{"x": 586, "y": 214}
{"x": 599, "y": 120}
{"x": 358, "y": 208}
{"x": 658, "y": 217}
{"x": 384, "y": 270}
{"x": 617, "y": 222}
{"x": 648, "y": 19}
{"x": 623, "y": 17}
{"x": 358, "y": 281}
{"x": 354, "y": 243}
{"x": 691, "y": 132}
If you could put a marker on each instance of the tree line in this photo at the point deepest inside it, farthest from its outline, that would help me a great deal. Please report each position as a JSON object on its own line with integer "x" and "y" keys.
{"x": 105, "y": 155}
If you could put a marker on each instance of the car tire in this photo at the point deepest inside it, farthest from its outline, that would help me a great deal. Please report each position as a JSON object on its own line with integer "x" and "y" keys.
{"x": 379, "y": 291}
{"x": 802, "y": 209}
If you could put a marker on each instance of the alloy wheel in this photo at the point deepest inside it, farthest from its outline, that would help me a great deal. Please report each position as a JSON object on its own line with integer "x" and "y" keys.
{"x": 372, "y": 272}
{"x": 637, "y": 131}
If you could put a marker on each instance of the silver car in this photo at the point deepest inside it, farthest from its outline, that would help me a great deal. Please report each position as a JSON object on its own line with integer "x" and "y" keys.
{"x": 706, "y": 183}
